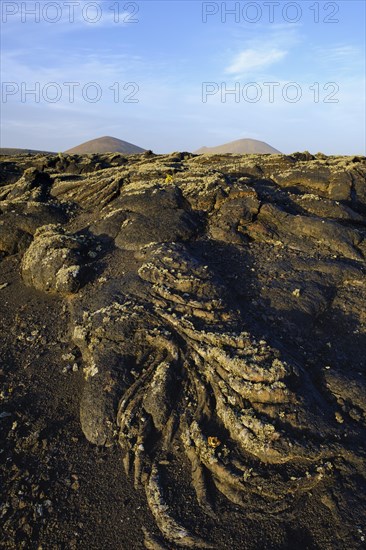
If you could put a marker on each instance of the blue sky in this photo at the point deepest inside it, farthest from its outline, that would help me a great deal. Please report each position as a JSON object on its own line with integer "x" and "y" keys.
{"x": 296, "y": 69}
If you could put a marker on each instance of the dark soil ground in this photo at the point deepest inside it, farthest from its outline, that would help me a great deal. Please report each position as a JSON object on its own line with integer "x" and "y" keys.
{"x": 58, "y": 490}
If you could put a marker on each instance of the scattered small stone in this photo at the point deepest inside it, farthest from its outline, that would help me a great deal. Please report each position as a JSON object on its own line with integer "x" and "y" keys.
{"x": 339, "y": 418}
{"x": 68, "y": 357}
{"x": 39, "y": 510}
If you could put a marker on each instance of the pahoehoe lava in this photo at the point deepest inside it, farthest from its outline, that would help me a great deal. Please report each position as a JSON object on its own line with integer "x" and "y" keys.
{"x": 218, "y": 303}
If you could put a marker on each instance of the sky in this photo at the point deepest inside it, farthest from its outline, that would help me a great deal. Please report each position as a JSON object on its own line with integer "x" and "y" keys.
{"x": 177, "y": 75}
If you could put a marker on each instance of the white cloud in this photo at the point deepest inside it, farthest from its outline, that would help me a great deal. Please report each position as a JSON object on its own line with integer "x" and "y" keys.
{"x": 251, "y": 60}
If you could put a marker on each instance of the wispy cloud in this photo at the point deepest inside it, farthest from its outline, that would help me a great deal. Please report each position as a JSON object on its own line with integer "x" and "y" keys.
{"x": 262, "y": 50}
{"x": 342, "y": 57}
{"x": 338, "y": 53}
{"x": 251, "y": 60}
{"x": 82, "y": 66}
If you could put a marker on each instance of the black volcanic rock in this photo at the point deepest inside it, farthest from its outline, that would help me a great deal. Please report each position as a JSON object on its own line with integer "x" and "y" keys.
{"x": 216, "y": 305}
{"x": 154, "y": 215}
{"x": 55, "y": 261}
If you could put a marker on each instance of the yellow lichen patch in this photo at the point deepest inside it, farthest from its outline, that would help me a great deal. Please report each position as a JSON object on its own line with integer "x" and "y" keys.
{"x": 213, "y": 442}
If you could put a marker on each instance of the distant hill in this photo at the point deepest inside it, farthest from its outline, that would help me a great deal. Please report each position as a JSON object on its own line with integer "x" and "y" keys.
{"x": 105, "y": 145}
{"x": 9, "y": 151}
{"x": 240, "y": 146}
